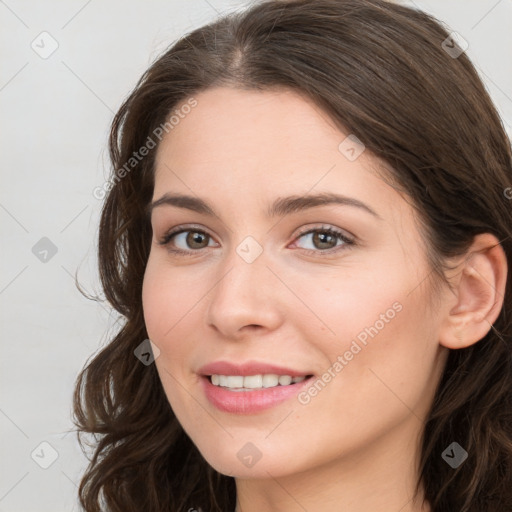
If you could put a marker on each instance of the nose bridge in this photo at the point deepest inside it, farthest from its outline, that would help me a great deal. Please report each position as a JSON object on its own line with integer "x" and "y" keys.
{"x": 246, "y": 291}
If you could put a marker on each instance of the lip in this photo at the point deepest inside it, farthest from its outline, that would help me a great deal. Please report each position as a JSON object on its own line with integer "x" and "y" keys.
{"x": 248, "y": 368}
{"x": 254, "y": 401}
{"x": 250, "y": 402}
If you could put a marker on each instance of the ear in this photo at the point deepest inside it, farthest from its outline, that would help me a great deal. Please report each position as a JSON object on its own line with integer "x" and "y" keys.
{"x": 479, "y": 288}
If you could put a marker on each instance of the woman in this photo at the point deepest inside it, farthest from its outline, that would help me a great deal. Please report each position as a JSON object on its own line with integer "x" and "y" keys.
{"x": 308, "y": 218}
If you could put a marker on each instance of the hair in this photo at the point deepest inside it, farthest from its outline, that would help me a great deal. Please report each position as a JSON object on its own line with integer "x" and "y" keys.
{"x": 379, "y": 70}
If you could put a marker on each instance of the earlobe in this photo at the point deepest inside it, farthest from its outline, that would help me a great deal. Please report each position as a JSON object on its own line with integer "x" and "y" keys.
{"x": 479, "y": 291}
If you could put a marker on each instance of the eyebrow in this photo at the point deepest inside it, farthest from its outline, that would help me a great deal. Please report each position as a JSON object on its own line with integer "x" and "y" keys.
{"x": 281, "y": 206}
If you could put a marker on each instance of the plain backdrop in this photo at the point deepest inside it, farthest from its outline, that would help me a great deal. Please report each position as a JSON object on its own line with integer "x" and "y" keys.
{"x": 66, "y": 68}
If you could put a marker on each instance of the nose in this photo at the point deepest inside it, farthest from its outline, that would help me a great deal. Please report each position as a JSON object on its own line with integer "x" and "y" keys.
{"x": 246, "y": 299}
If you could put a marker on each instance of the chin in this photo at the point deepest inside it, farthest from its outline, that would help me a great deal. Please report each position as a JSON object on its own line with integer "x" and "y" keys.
{"x": 249, "y": 462}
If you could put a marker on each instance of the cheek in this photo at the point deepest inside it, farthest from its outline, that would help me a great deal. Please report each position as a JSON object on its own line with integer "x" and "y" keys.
{"x": 164, "y": 315}
{"x": 172, "y": 300}
{"x": 379, "y": 341}
{"x": 385, "y": 364}
{"x": 349, "y": 303}
{"x": 165, "y": 306}
{"x": 165, "y": 298}
{"x": 154, "y": 300}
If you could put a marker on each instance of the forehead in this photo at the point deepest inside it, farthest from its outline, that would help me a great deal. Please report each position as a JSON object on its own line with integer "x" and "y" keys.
{"x": 228, "y": 122}
{"x": 258, "y": 144}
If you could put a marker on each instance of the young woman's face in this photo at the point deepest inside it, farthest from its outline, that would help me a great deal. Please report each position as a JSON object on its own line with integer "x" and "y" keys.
{"x": 276, "y": 285}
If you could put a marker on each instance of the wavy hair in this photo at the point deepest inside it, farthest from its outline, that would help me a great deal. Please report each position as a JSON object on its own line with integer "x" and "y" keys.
{"x": 384, "y": 72}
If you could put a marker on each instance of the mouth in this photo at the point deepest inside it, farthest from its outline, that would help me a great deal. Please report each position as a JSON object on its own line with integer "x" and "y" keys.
{"x": 251, "y": 394}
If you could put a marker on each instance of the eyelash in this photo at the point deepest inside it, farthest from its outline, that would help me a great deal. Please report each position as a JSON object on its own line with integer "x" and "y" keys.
{"x": 339, "y": 235}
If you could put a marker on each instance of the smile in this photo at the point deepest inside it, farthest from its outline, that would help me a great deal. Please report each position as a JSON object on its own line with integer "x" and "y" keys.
{"x": 257, "y": 394}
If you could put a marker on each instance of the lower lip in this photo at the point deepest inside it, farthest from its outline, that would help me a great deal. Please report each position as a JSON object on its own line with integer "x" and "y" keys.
{"x": 248, "y": 402}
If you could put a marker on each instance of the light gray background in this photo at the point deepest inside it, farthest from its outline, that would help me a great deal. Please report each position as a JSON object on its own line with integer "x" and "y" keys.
{"x": 56, "y": 114}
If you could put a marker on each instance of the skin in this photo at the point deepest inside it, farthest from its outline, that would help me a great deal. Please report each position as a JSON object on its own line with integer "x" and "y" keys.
{"x": 354, "y": 446}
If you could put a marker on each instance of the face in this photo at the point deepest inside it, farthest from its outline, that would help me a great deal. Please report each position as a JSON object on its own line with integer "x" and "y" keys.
{"x": 262, "y": 285}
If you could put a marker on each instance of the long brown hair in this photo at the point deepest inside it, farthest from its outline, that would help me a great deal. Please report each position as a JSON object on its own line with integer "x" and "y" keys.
{"x": 384, "y": 72}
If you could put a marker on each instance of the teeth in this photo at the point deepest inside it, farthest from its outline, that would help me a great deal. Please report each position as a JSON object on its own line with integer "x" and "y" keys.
{"x": 251, "y": 382}
{"x": 254, "y": 381}
{"x": 270, "y": 380}
{"x": 235, "y": 381}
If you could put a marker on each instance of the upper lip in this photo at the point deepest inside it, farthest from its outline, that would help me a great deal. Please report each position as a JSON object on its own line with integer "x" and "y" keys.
{"x": 248, "y": 368}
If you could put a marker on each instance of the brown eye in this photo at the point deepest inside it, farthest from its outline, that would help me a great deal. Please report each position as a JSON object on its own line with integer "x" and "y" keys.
{"x": 325, "y": 239}
{"x": 195, "y": 239}
{"x": 185, "y": 240}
